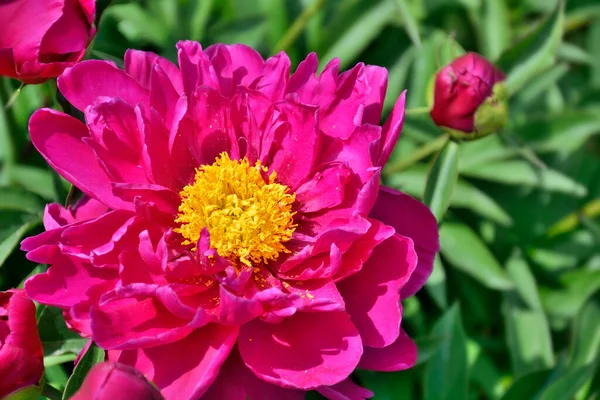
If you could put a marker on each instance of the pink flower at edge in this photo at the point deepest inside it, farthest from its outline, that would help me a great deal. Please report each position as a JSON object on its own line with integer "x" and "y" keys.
{"x": 39, "y": 39}
{"x": 304, "y": 282}
{"x": 114, "y": 381}
{"x": 21, "y": 354}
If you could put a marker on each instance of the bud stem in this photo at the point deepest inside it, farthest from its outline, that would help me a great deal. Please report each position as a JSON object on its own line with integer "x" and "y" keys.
{"x": 416, "y": 111}
{"x": 14, "y": 96}
{"x": 51, "y": 392}
{"x": 422, "y": 152}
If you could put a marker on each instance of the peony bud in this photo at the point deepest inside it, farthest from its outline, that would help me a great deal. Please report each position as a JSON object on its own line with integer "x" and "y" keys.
{"x": 469, "y": 98}
{"x": 21, "y": 353}
{"x": 114, "y": 381}
{"x": 39, "y": 39}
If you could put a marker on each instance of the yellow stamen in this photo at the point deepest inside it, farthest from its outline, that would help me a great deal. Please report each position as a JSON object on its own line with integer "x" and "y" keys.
{"x": 248, "y": 215}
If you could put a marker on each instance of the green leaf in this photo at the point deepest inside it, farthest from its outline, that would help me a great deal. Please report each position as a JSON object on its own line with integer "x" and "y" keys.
{"x": 26, "y": 393}
{"x": 13, "y": 227}
{"x": 428, "y": 347}
{"x": 36, "y": 180}
{"x": 134, "y": 23}
{"x": 436, "y": 284}
{"x": 535, "y": 53}
{"x": 358, "y": 36}
{"x": 564, "y": 133}
{"x": 442, "y": 180}
{"x": 522, "y": 173}
{"x": 410, "y": 22}
{"x": 92, "y": 356}
{"x": 468, "y": 253}
{"x": 56, "y": 338}
{"x": 527, "y": 386}
{"x": 586, "y": 333}
{"x": 567, "y": 385}
{"x": 199, "y": 19}
{"x": 19, "y": 200}
{"x": 446, "y": 373}
{"x": 527, "y": 331}
{"x": 494, "y": 27}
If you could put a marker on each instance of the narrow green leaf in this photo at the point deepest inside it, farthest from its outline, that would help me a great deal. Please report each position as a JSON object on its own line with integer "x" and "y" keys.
{"x": 436, "y": 284}
{"x": 13, "y": 227}
{"x": 19, "y": 200}
{"x": 199, "y": 19}
{"x": 36, "y": 180}
{"x": 398, "y": 75}
{"x": 56, "y": 338}
{"x": 527, "y": 330}
{"x": 586, "y": 333}
{"x": 522, "y": 173}
{"x": 446, "y": 373}
{"x": 57, "y": 360}
{"x": 535, "y": 53}
{"x": 467, "y": 252}
{"x": 442, "y": 180}
{"x": 567, "y": 385}
{"x": 410, "y": 22}
{"x": 92, "y": 356}
{"x": 527, "y": 386}
{"x": 494, "y": 28}
{"x": 358, "y": 36}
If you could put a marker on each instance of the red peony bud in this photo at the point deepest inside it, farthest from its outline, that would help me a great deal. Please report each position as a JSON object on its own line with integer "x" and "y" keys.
{"x": 461, "y": 88}
{"x": 21, "y": 353}
{"x": 39, "y": 39}
{"x": 114, "y": 381}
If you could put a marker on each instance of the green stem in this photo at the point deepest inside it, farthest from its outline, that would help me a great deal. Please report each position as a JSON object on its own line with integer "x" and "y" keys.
{"x": 422, "y": 152}
{"x": 524, "y": 151}
{"x": 298, "y": 26}
{"x": 417, "y": 111}
{"x": 51, "y": 392}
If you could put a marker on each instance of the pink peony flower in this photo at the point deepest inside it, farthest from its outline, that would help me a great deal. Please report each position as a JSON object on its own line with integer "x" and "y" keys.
{"x": 21, "y": 353}
{"x": 114, "y": 381}
{"x": 460, "y": 88}
{"x": 39, "y": 39}
{"x": 233, "y": 239}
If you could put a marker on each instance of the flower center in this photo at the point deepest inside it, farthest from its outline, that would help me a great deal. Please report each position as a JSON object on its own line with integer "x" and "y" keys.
{"x": 248, "y": 215}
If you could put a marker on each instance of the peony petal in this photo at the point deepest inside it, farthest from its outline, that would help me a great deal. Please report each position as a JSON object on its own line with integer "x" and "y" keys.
{"x": 274, "y": 79}
{"x": 324, "y": 190}
{"x": 83, "y": 83}
{"x": 373, "y": 294}
{"x": 307, "y": 350}
{"x": 58, "y": 137}
{"x": 398, "y": 356}
{"x": 345, "y": 390}
{"x": 185, "y": 369}
{"x": 66, "y": 282}
{"x": 131, "y": 317}
{"x": 299, "y": 148}
{"x": 196, "y": 68}
{"x": 237, "y": 382}
{"x": 412, "y": 219}
{"x": 235, "y": 64}
{"x": 391, "y": 130}
{"x": 140, "y": 64}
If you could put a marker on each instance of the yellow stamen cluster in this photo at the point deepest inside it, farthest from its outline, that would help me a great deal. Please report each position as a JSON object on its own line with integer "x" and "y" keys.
{"x": 248, "y": 215}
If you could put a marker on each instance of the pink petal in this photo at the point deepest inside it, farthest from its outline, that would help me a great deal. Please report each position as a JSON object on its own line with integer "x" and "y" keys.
{"x": 299, "y": 148}
{"x": 398, "y": 356}
{"x": 235, "y": 64}
{"x": 237, "y": 382}
{"x": 184, "y": 370}
{"x": 58, "y": 137}
{"x": 412, "y": 219}
{"x": 140, "y": 64}
{"x": 373, "y": 294}
{"x": 345, "y": 390}
{"x": 306, "y": 350}
{"x": 196, "y": 68}
{"x": 377, "y": 78}
{"x": 391, "y": 130}
{"x": 131, "y": 317}
{"x": 66, "y": 282}
{"x": 274, "y": 79}
{"x": 324, "y": 190}
{"x": 88, "y": 80}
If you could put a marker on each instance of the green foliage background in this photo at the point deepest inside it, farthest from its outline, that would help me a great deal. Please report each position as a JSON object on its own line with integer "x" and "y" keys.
{"x": 512, "y": 310}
